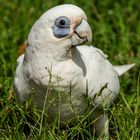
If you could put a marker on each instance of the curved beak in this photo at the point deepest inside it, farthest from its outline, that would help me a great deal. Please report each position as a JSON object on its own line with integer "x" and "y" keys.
{"x": 82, "y": 34}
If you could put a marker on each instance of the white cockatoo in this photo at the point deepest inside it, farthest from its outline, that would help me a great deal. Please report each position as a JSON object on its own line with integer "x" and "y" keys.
{"x": 57, "y": 66}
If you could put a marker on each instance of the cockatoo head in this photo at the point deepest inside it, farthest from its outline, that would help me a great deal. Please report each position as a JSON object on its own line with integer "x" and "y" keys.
{"x": 63, "y": 26}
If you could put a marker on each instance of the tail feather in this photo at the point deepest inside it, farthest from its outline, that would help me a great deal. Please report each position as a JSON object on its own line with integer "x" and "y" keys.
{"x": 123, "y": 68}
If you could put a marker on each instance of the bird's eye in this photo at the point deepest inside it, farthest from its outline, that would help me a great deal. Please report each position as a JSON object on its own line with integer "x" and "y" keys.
{"x": 62, "y": 22}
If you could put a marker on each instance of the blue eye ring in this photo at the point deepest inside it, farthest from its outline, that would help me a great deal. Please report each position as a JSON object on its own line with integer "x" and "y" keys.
{"x": 61, "y": 27}
{"x": 62, "y": 22}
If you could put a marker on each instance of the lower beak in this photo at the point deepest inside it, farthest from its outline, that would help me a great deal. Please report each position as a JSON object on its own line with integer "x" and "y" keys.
{"x": 82, "y": 34}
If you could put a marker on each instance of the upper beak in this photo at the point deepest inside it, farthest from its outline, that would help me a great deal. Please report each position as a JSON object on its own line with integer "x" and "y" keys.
{"x": 82, "y": 34}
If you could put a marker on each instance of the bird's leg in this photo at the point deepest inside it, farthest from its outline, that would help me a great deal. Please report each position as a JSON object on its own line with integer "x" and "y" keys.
{"x": 101, "y": 125}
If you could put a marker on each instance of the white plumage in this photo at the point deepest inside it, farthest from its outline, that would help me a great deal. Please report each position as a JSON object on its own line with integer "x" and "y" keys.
{"x": 55, "y": 62}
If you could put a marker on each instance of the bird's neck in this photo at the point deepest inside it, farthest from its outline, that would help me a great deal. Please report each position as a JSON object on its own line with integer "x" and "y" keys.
{"x": 59, "y": 53}
{"x": 53, "y": 53}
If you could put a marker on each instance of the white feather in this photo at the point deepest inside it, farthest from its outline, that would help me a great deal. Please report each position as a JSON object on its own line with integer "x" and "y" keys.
{"x": 123, "y": 68}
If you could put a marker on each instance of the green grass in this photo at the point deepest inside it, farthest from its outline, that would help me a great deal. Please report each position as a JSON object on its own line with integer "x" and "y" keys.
{"x": 116, "y": 30}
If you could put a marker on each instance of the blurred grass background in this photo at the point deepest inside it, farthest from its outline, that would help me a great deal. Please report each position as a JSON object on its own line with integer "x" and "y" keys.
{"x": 116, "y": 30}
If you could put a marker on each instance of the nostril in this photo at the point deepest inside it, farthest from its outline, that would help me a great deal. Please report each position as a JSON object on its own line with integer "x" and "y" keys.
{"x": 78, "y": 24}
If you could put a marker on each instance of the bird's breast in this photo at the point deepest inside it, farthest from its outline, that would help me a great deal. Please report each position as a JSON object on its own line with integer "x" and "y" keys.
{"x": 64, "y": 86}
{"x": 65, "y": 107}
